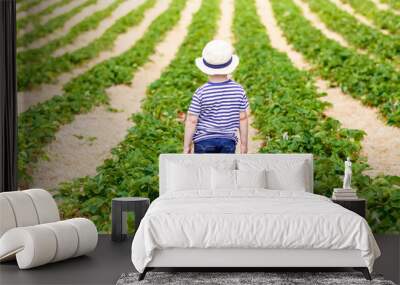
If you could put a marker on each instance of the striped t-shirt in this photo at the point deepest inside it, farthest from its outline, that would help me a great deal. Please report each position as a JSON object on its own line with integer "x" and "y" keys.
{"x": 218, "y": 106}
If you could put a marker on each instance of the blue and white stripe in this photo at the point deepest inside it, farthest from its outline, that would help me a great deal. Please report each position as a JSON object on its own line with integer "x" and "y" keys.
{"x": 218, "y": 106}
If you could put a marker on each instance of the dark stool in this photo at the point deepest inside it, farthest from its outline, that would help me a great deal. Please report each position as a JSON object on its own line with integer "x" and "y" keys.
{"x": 358, "y": 206}
{"x": 119, "y": 207}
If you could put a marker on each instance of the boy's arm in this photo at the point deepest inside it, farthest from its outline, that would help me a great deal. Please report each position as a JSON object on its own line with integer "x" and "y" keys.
{"x": 243, "y": 130}
{"x": 190, "y": 127}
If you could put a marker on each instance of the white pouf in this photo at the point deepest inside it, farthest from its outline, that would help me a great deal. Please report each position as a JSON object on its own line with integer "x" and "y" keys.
{"x": 31, "y": 232}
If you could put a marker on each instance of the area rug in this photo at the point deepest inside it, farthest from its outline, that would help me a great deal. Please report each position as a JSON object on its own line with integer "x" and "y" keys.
{"x": 268, "y": 278}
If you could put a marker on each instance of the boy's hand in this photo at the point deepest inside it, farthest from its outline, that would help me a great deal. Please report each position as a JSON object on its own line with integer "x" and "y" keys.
{"x": 243, "y": 148}
{"x": 186, "y": 149}
{"x": 190, "y": 127}
{"x": 243, "y": 130}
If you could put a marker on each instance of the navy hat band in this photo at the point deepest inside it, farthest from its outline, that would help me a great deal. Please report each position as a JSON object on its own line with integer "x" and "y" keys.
{"x": 217, "y": 65}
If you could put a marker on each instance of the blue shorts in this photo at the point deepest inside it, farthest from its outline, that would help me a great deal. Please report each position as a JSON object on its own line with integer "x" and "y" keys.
{"x": 215, "y": 145}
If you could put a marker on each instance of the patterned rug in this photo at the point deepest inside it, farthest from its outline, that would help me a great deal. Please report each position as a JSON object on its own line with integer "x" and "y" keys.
{"x": 242, "y": 278}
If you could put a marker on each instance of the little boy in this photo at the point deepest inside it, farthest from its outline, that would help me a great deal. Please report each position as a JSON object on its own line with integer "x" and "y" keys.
{"x": 219, "y": 107}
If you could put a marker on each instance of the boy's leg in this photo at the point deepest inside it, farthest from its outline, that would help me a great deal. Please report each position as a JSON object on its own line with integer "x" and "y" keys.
{"x": 226, "y": 146}
{"x": 206, "y": 146}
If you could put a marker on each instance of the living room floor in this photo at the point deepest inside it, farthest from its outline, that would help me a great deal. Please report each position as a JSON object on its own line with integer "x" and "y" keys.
{"x": 103, "y": 266}
{"x": 110, "y": 259}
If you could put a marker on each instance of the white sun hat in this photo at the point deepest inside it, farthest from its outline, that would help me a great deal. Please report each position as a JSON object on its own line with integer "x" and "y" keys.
{"x": 217, "y": 58}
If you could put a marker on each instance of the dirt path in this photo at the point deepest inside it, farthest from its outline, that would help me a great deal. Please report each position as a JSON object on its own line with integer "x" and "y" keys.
{"x": 57, "y": 12}
{"x": 36, "y": 9}
{"x": 224, "y": 31}
{"x": 381, "y": 144}
{"x": 348, "y": 9}
{"x": 72, "y": 157}
{"x": 89, "y": 10}
{"x": 89, "y": 36}
{"x": 123, "y": 42}
{"x": 384, "y": 7}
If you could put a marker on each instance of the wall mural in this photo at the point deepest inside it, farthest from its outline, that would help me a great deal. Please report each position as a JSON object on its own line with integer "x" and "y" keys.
{"x": 104, "y": 86}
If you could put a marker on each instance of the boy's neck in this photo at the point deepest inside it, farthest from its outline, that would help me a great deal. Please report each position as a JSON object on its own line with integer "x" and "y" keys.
{"x": 218, "y": 78}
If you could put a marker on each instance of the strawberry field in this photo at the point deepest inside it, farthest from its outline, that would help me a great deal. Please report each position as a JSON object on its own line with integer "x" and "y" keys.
{"x": 79, "y": 138}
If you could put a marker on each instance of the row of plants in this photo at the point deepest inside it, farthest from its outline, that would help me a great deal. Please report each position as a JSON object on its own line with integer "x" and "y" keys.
{"x": 35, "y": 18}
{"x": 373, "y": 83}
{"x": 384, "y": 19}
{"x": 289, "y": 115}
{"x": 38, "y": 125}
{"x": 39, "y": 54}
{"x": 34, "y": 67}
{"x": 133, "y": 168}
{"x": 27, "y": 5}
{"x": 384, "y": 47}
{"x": 395, "y": 4}
{"x": 52, "y": 25}
{"x": 26, "y": 60}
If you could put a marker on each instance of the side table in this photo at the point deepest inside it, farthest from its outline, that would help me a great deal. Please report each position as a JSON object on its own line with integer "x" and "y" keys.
{"x": 358, "y": 206}
{"x": 119, "y": 207}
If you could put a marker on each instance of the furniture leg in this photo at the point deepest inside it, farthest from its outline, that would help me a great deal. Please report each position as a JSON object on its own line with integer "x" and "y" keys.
{"x": 143, "y": 274}
{"x": 124, "y": 224}
{"x": 116, "y": 217}
{"x": 364, "y": 271}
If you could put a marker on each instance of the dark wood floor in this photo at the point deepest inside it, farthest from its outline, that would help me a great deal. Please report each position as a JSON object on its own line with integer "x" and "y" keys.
{"x": 103, "y": 266}
{"x": 110, "y": 260}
